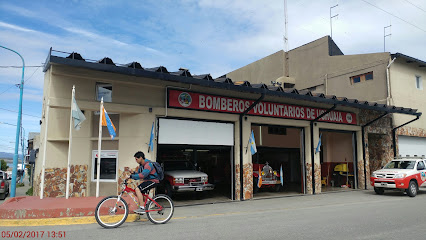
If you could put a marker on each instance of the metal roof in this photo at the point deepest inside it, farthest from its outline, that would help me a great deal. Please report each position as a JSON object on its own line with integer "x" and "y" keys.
{"x": 205, "y": 80}
{"x": 409, "y": 59}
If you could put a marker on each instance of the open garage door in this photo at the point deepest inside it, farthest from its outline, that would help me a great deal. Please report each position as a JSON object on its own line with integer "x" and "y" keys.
{"x": 411, "y": 146}
{"x": 279, "y": 161}
{"x": 337, "y": 157}
{"x": 197, "y": 157}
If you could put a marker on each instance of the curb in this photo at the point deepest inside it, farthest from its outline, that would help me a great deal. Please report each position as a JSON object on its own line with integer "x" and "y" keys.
{"x": 59, "y": 221}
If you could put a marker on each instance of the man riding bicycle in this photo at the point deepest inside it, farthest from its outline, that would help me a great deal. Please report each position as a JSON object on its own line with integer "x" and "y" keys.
{"x": 148, "y": 174}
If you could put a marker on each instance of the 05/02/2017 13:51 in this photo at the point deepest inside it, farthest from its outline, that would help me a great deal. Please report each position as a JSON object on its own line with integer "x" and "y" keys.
{"x": 32, "y": 234}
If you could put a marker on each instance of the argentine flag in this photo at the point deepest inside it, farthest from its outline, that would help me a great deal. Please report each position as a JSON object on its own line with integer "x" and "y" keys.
{"x": 260, "y": 180}
{"x": 106, "y": 122}
{"x": 252, "y": 142}
{"x": 151, "y": 139}
{"x": 318, "y": 149}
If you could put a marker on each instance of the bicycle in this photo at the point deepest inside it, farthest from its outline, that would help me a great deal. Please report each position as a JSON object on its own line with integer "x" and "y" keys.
{"x": 112, "y": 211}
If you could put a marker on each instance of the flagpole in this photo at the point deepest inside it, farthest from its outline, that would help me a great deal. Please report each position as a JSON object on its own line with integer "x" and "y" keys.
{"x": 46, "y": 117}
{"x": 98, "y": 165}
{"x": 69, "y": 146}
{"x": 248, "y": 143}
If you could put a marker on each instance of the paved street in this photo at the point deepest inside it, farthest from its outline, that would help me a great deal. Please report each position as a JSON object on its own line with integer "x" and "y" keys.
{"x": 345, "y": 215}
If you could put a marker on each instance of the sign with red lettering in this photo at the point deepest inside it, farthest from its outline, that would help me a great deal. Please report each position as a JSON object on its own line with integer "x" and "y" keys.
{"x": 207, "y": 102}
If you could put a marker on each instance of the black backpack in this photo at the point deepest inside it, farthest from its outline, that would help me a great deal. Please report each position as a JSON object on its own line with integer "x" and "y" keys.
{"x": 159, "y": 170}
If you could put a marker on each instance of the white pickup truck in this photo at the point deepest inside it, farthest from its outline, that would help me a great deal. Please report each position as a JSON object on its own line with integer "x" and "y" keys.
{"x": 182, "y": 176}
{"x": 407, "y": 174}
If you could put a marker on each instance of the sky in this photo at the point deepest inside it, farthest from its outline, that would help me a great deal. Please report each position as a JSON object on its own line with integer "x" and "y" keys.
{"x": 204, "y": 36}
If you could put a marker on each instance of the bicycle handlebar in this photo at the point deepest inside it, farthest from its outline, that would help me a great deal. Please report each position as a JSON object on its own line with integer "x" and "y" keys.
{"x": 125, "y": 181}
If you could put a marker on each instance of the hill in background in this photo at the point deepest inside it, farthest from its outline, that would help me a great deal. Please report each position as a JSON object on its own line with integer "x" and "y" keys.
{"x": 8, "y": 156}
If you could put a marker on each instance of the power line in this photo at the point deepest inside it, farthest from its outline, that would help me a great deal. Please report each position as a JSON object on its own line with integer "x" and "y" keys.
{"x": 415, "y": 5}
{"x": 17, "y": 111}
{"x": 32, "y": 74}
{"x": 8, "y": 123}
{"x": 394, "y": 16}
{"x": 24, "y": 81}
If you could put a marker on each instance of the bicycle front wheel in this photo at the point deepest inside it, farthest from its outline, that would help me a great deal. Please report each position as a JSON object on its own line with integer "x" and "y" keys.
{"x": 160, "y": 210}
{"x": 111, "y": 212}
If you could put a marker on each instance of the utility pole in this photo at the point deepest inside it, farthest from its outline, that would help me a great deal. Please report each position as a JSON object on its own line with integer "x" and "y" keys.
{"x": 18, "y": 127}
{"x": 23, "y": 152}
{"x": 384, "y": 36}
{"x": 331, "y": 18}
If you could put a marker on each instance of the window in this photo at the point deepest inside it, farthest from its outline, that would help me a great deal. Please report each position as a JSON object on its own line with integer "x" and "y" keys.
{"x": 400, "y": 165}
{"x": 420, "y": 165}
{"x": 356, "y": 79}
{"x": 361, "y": 78}
{"x": 369, "y": 76}
{"x": 108, "y": 171}
{"x": 419, "y": 84}
{"x": 104, "y": 90}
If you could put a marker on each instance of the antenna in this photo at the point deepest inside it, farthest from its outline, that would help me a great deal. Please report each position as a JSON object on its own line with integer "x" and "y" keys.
{"x": 286, "y": 62}
{"x": 331, "y": 18}
{"x": 384, "y": 36}
{"x": 285, "y": 24}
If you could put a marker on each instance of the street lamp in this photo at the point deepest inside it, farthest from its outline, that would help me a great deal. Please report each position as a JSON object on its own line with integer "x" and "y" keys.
{"x": 18, "y": 126}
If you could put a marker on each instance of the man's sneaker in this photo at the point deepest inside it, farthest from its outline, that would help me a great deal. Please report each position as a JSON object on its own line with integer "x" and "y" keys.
{"x": 140, "y": 210}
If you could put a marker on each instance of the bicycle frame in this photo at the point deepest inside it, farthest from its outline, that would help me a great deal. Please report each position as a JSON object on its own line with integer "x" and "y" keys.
{"x": 131, "y": 192}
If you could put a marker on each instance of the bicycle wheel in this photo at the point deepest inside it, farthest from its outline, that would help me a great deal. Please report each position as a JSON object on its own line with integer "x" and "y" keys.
{"x": 160, "y": 210}
{"x": 111, "y": 212}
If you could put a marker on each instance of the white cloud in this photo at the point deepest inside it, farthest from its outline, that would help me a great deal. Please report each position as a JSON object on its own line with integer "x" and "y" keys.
{"x": 94, "y": 36}
{"x": 14, "y": 27}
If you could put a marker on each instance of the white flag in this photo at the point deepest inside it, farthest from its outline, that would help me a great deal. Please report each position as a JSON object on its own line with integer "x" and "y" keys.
{"x": 77, "y": 115}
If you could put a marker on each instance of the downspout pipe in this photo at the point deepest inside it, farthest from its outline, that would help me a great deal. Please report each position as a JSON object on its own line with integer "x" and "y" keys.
{"x": 312, "y": 144}
{"x": 363, "y": 145}
{"x": 394, "y": 133}
{"x": 241, "y": 144}
{"x": 388, "y": 87}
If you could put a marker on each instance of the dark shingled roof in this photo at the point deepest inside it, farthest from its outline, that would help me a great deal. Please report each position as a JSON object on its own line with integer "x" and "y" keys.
{"x": 205, "y": 80}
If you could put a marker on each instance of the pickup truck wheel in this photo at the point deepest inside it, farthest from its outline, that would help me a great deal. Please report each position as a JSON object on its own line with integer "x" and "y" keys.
{"x": 168, "y": 190}
{"x": 412, "y": 189}
{"x": 2, "y": 196}
{"x": 379, "y": 191}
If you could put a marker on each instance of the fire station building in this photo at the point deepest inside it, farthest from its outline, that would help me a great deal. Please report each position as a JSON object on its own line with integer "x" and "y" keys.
{"x": 310, "y": 142}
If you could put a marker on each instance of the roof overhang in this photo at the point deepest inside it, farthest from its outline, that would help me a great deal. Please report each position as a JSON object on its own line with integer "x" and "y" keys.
{"x": 225, "y": 84}
{"x": 409, "y": 59}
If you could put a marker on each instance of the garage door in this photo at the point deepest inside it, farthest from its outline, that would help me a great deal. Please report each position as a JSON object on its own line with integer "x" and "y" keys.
{"x": 411, "y": 145}
{"x": 173, "y": 131}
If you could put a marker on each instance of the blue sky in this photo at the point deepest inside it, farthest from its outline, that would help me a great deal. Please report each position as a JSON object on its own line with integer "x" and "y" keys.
{"x": 205, "y": 36}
